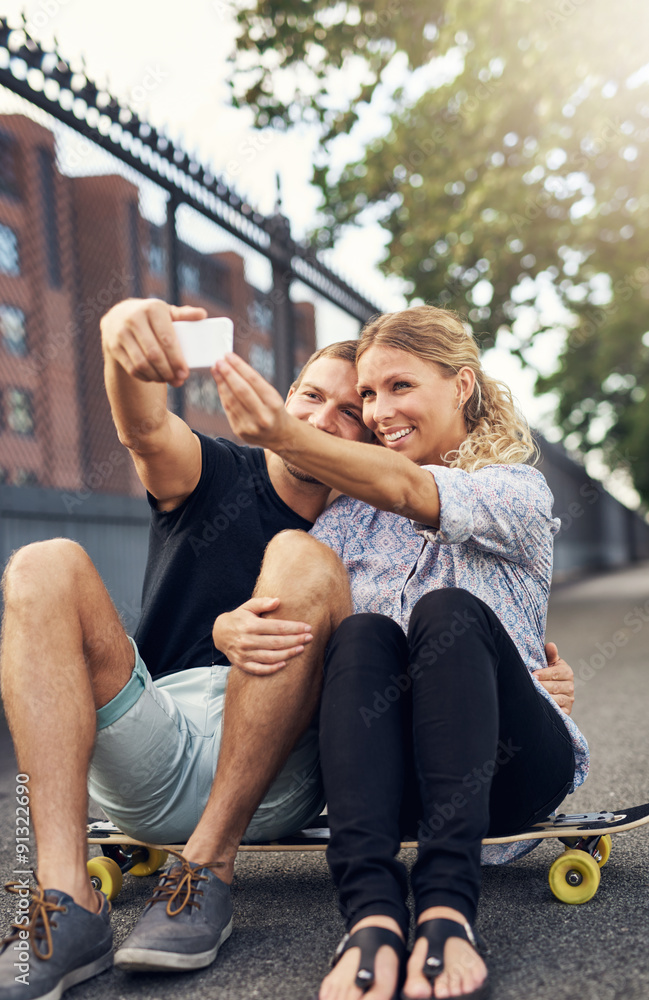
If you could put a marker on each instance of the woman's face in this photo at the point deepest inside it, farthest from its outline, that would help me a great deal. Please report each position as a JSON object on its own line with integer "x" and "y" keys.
{"x": 410, "y": 406}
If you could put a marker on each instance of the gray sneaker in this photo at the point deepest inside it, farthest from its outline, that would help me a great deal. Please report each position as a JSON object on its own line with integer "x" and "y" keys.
{"x": 187, "y": 932}
{"x": 59, "y": 945}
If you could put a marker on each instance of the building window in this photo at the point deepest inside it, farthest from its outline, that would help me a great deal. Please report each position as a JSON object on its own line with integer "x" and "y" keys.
{"x": 190, "y": 279}
{"x": 9, "y": 261}
{"x": 202, "y": 394}
{"x": 260, "y": 314}
{"x": 155, "y": 251}
{"x": 9, "y": 172}
{"x": 157, "y": 260}
{"x": 4, "y": 476}
{"x": 25, "y": 477}
{"x": 12, "y": 330}
{"x": 201, "y": 275}
{"x": 20, "y": 411}
{"x": 52, "y": 245}
{"x": 262, "y": 360}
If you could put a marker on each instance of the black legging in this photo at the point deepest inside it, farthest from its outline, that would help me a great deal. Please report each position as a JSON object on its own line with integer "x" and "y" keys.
{"x": 441, "y": 734}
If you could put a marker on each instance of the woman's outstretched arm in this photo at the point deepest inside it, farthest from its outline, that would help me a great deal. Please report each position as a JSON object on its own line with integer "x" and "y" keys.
{"x": 380, "y": 477}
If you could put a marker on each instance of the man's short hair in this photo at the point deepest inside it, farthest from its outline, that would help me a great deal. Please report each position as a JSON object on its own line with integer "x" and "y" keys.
{"x": 343, "y": 350}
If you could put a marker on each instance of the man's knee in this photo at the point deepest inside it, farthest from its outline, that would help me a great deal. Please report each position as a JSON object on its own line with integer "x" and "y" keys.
{"x": 43, "y": 567}
{"x": 307, "y": 576}
{"x": 294, "y": 551}
{"x": 294, "y": 544}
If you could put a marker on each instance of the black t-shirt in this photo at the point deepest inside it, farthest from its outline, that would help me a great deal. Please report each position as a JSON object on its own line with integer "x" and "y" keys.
{"x": 205, "y": 556}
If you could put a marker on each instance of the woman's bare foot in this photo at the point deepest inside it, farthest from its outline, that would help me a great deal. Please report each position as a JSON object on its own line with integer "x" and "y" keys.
{"x": 339, "y": 984}
{"x": 464, "y": 970}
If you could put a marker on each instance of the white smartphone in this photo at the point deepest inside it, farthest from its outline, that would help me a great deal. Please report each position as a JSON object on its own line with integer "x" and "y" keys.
{"x": 205, "y": 341}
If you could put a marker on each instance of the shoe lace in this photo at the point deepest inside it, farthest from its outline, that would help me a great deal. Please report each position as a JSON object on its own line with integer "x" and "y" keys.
{"x": 180, "y": 884}
{"x": 38, "y": 926}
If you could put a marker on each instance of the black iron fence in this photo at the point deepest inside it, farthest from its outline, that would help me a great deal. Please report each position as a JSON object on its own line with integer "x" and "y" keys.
{"x": 97, "y": 205}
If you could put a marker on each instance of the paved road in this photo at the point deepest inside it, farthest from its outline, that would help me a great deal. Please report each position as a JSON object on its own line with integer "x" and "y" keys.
{"x": 286, "y": 919}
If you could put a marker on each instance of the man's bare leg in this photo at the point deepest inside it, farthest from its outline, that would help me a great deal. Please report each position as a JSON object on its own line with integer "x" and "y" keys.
{"x": 64, "y": 654}
{"x": 266, "y": 715}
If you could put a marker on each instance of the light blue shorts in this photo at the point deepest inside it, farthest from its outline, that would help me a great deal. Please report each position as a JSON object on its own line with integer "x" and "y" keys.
{"x": 156, "y": 753}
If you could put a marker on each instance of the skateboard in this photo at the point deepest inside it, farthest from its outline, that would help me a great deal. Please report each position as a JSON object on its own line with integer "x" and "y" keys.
{"x": 574, "y": 876}
{"x": 122, "y": 854}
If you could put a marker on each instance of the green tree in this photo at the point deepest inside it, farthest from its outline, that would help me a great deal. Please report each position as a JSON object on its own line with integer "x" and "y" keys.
{"x": 510, "y": 162}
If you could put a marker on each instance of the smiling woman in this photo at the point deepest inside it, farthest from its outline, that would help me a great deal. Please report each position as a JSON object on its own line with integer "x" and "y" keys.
{"x": 488, "y": 427}
{"x": 446, "y": 534}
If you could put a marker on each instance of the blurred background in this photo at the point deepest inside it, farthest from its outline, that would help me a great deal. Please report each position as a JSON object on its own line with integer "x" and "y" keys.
{"x": 300, "y": 167}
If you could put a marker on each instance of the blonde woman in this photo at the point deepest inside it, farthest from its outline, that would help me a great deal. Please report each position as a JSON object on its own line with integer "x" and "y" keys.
{"x": 431, "y": 721}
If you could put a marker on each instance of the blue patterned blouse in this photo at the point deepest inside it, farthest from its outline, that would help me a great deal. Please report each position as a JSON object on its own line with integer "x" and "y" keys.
{"x": 494, "y": 540}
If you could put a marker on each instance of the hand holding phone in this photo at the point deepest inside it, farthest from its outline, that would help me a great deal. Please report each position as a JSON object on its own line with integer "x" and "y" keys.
{"x": 205, "y": 341}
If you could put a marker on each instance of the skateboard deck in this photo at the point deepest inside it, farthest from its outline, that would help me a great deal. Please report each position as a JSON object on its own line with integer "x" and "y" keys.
{"x": 574, "y": 877}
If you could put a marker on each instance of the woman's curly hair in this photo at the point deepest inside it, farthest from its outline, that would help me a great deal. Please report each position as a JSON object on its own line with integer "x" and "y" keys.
{"x": 496, "y": 432}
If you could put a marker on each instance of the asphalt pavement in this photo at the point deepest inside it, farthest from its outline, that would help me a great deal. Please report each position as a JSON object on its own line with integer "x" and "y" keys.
{"x": 286, "y": 920}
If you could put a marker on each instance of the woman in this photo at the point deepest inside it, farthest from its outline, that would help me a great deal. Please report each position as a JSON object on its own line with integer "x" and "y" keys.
{"x": 430, "y": 716}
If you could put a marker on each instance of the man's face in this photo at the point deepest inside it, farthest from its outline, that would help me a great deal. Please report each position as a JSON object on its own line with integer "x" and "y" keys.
{"x": 327, "y": 398}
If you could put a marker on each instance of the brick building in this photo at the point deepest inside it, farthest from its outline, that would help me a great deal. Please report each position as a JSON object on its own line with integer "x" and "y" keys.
{"x": 39, "y": 409}
{"x": 70, "y": 247}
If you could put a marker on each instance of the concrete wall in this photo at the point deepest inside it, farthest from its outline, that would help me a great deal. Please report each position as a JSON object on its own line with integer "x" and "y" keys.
{"x": 597, "y": 531}
{"x": 113, "y": 530}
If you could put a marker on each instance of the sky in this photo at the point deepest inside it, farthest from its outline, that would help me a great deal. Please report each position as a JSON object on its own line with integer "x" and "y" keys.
{"x": 169, "y": 63}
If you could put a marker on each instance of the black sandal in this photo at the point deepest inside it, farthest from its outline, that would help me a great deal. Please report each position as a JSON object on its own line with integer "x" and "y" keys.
{"x": 437, "y": 932}
{"x": 369, "y": 940}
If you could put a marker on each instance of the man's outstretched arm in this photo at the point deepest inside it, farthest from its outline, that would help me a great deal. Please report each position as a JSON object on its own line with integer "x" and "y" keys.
{"x": 141, "y": 357}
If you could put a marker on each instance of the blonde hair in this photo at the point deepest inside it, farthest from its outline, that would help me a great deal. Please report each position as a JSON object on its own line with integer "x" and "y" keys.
{"x": 497, "y": 432}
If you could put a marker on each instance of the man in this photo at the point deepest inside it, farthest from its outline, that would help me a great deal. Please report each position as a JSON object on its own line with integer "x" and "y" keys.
{"x": 80, "y": 700}
{"x": 69, "y": 672}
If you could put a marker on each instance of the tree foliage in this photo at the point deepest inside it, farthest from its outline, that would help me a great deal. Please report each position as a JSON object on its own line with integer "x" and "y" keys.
{"x": 509, "y": 166}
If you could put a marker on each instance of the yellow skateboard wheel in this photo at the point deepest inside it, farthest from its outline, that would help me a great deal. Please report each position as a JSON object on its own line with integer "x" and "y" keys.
{"x": 106, "y": 875}
{"x": 154, "y": 861}
{"x": 604, "y": 849}
{"x": 574, "y": 877}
